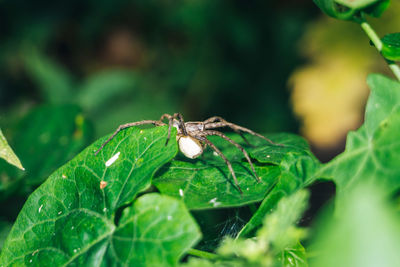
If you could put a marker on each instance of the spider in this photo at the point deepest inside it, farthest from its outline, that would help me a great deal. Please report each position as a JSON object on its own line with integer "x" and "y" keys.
{"x": 192, "y": 137}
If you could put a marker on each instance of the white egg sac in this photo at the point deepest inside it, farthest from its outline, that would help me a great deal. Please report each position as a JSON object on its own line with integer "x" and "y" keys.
{"x": 190, "y": 147}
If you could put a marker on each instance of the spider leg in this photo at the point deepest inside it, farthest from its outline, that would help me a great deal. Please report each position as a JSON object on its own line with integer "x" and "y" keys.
{"x": 165, "y": 116}
{"x": 220, "y": 119}
{"x": 214, "y": 119}
{"x": 181, "y": 121}
{"x": 227, "y": 162}
{"x": 128, "y": 125}
{"x": 235, "y": 127}
{"x": 236, "y": 145}
{"x": 170, "y": 120}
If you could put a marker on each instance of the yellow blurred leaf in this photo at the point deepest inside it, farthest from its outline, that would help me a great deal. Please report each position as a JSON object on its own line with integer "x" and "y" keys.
{"x": 329, "y": 93}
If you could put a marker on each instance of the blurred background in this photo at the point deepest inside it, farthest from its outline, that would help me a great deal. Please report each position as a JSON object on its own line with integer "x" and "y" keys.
{"x": 72, "y": 71}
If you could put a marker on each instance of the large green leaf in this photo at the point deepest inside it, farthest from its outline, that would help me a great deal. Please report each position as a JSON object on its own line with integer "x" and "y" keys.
{"x": 366, "y": 233}
{"x": 45, "y": 139}
{"x": 69, "y": 219}
{"x": 207, "y": 183}
{"x": 156, "y": 231}
{"x": 373, "y": 151}
{"x": 7, "y": 153}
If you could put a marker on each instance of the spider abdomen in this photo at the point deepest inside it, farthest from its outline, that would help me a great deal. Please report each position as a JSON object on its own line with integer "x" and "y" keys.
{"x": 190, "y": 146}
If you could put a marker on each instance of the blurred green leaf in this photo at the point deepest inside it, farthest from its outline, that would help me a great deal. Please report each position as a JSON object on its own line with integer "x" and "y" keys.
{"x": 366, "y": 233}
{"x": 377, "y": 9}
{"x": 7, "y": 153}
{"x": 5, "y": 228}
{"x": 331, "y": 8}
{"x": 391, "y": 46}
{"x": 100, "y": 88}
{"x": 373, "y": 151}
{"x": 350, "y": 9}
{"x": 294, "y": 256}
{"x": 55, "y": 82}
{"x": 207, "y": 183}
{"x": 69, "y": 218}
{"x": 356, "y": 4}
{"x": 45, "y": 139}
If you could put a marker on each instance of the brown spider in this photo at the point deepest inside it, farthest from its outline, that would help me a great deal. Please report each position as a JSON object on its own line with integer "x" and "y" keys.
{"x": 192, "y": 137}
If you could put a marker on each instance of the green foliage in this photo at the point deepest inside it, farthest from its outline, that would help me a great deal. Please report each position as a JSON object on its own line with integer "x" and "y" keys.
{"x": 88, "y": 191}
{"x": 275, "y": 244}
{"x": 391, "y": 46}
{"x": 207, "y": 183}
{"x": 373, "y": 151}
{"x": 7, "y": 153}
{"x": 351, "y": 9}
{"x": 70, "y": 218}
{"x": 366, "y": 233}
{"x": 140, "y": 203}
{"x": 45, "y": 138}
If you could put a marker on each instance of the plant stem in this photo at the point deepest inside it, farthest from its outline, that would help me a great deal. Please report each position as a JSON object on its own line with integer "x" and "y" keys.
{"x": 395, "y": 69}
{"x": 203, "y": 254}
{"x": 379, "y": 45}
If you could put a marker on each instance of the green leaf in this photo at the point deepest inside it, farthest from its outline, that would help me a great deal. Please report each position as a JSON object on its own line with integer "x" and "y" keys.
{"x": 298, "y": 167}
{"x": 279, "y": 227}
{"x": 7, "y": 153}
{"x": 104, "y": 85}
{"x": 204, "y": 184}
{"x": 277, "y": 241}
{"x": 156, "y": 231}
{"x": 55, "y": 82}
{"x": 69, "y": 219}
{"x": 331, "y": 8}
{"x": 377, "y": 9}
{"x": 350, "y": 9}
{"x": 372, "y": 152}
{"x": 294, "y": 256}
{"x": 207, "y": 183}
{"x": 290, "y": 144}
{"x": 45, "y": 139}
{"x": 356, "y": 4}
{"x": 391, "y": 46}
{"x": 5, "y": 228}
{"x": 365, "y": 233}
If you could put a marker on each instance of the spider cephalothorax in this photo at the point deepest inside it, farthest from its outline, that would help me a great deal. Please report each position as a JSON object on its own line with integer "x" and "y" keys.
{"x": 192, "y": 137}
